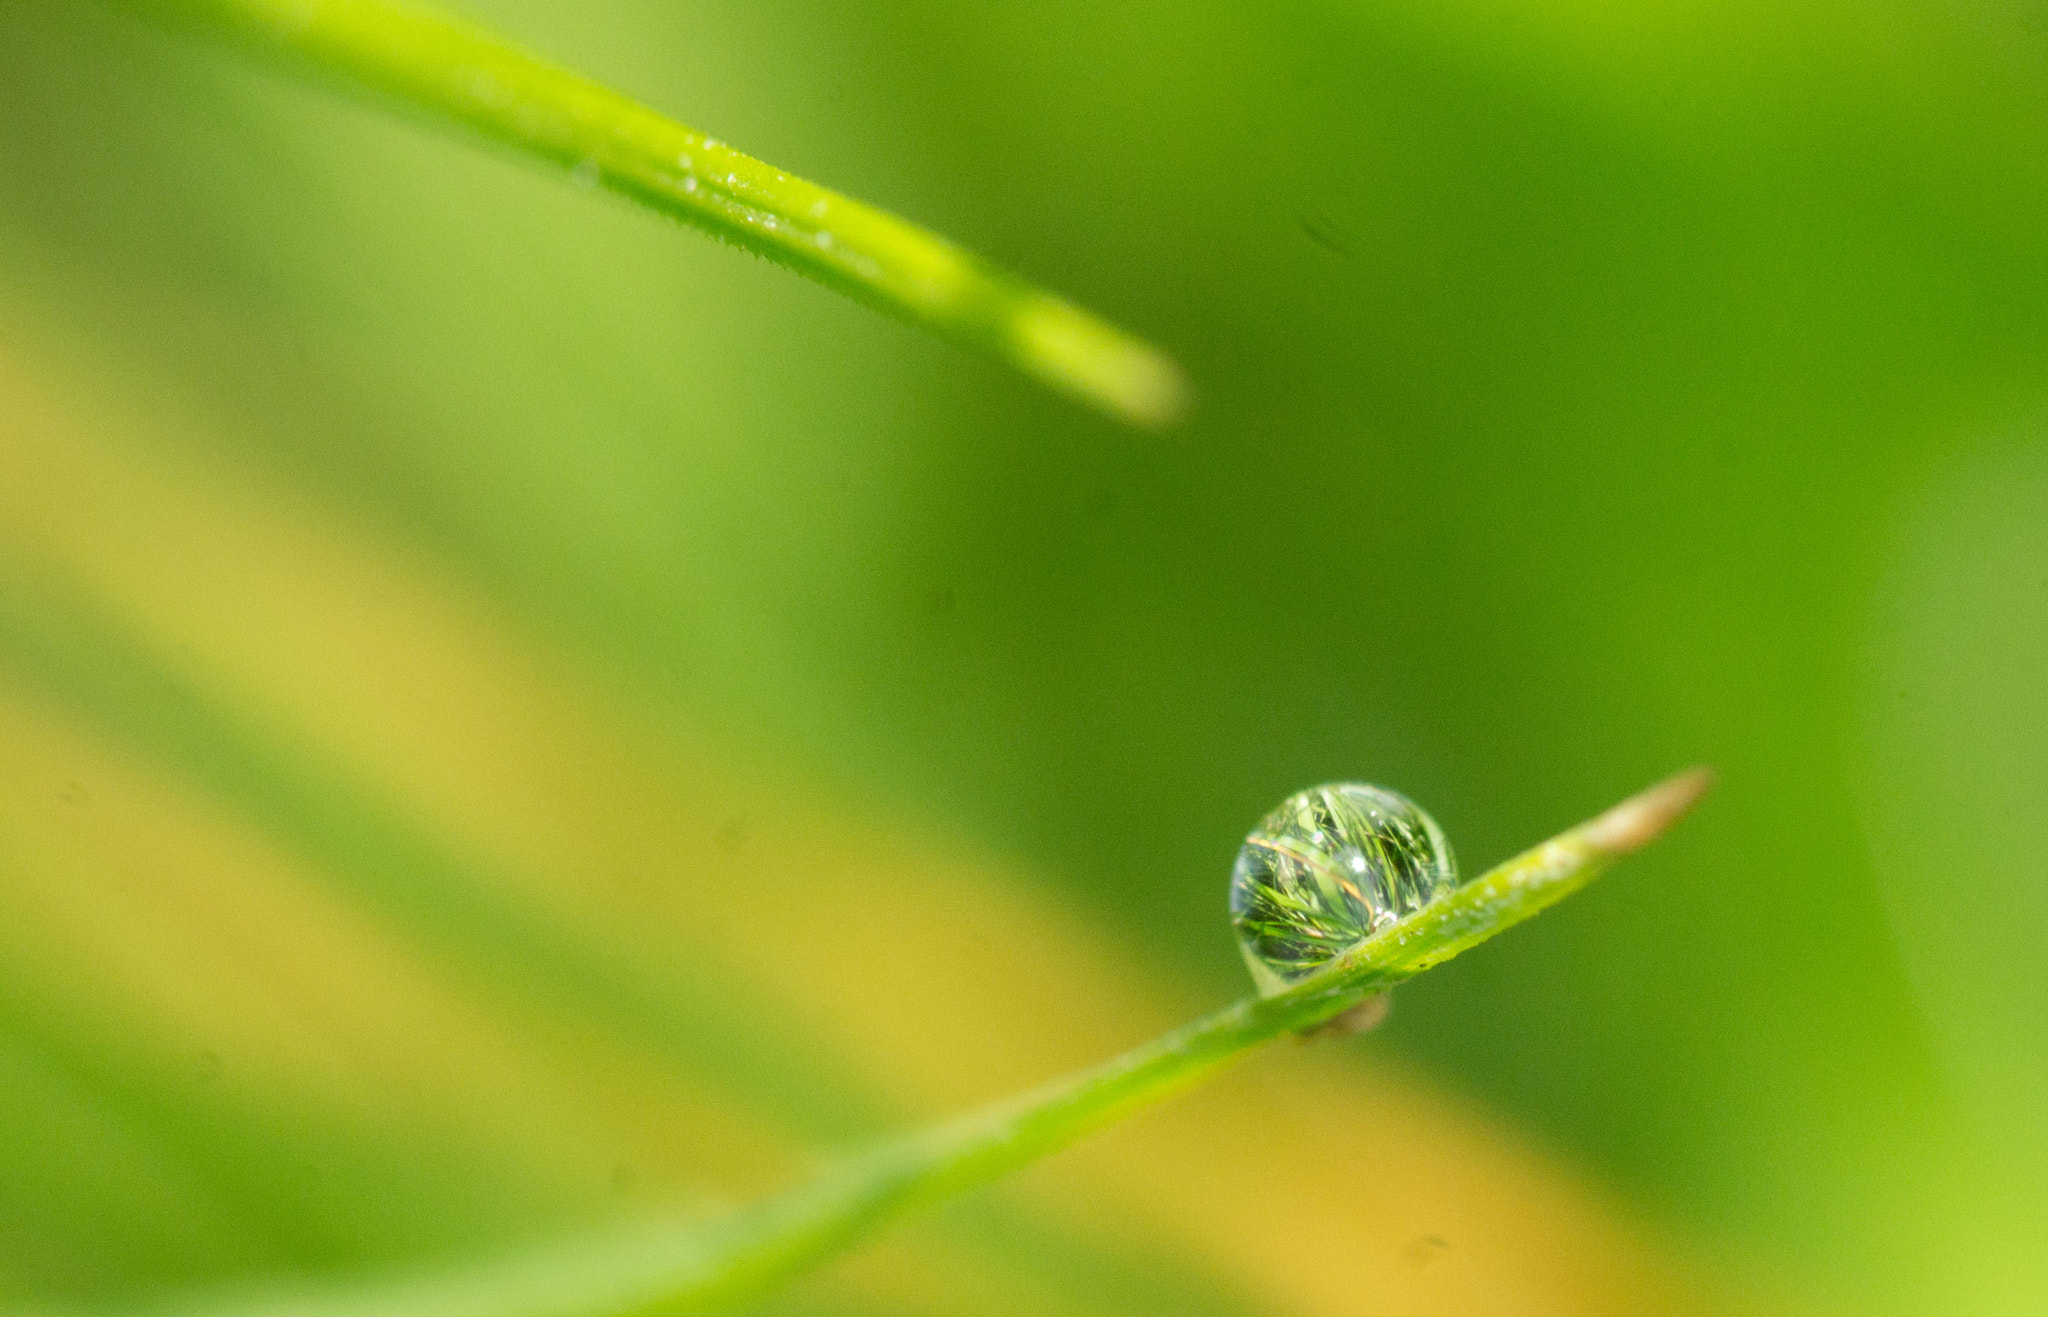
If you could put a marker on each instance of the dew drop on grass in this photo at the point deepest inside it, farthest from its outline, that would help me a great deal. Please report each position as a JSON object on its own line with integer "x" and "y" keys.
{"x": 1327, "y": 869}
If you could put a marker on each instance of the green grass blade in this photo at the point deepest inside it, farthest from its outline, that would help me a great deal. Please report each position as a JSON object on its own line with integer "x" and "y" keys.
{"x": 55, "y": 644}
{"x": 456, "y": 71}
{"x": 722, "y": 1266}
{"x": 53, "y": 641}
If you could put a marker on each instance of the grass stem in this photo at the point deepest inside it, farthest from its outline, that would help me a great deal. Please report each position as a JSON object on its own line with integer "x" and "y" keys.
{"x": 460, "y": 73}
{"x": 738, "y": 1258}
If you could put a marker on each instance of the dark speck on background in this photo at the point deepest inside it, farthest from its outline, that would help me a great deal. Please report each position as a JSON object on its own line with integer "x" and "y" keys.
{"x": 1423, "y": 1248}
{"x": 1329, "y": 234}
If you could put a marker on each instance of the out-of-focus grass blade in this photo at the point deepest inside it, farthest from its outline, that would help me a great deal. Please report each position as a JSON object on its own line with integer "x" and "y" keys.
{"x": 171, "y": 627}
{"x": 459, "y": 72}
{"x": 735, "y": 1260}
{"x": 449, "y": 903}
{"x": 172, "y": 1152}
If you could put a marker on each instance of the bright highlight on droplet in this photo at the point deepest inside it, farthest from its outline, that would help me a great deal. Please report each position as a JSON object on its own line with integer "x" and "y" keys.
{"x": 1326, "y": 870}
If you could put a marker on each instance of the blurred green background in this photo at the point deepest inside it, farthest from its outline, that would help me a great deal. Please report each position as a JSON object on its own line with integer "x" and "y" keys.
{"x": 1585, "y": 390}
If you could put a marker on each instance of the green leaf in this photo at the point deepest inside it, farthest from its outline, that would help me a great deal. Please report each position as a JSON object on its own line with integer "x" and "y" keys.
{"x": 458, "y": 72}
{"x": 739, "y": 1258}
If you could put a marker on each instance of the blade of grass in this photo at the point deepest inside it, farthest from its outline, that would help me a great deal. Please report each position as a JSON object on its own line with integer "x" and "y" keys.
{"x": 739, "y": 1258}
{"x": 458, "y": 72}
{"x": 54, "y": 641}
{"x": 454, "y": 905}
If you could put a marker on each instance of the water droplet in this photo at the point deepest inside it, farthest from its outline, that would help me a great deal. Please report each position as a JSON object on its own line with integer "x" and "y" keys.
{"x": 586, "y": 172}
{"x": 1326, "y": 870}
{"x": 683, "y": 160}
{"x": 690, "y": 184}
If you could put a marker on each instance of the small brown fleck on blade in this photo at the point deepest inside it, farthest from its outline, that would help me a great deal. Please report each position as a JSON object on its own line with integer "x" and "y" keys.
{"x": 1367, "y": 1015}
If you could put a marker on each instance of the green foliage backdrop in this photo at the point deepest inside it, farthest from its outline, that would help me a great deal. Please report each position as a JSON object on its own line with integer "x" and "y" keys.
{"x": 1582, "y": 391}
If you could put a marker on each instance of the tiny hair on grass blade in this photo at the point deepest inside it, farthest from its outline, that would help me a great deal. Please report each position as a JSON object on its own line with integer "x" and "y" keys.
{"x": 458, "y": 72}
{"x": 725, "y": 1263}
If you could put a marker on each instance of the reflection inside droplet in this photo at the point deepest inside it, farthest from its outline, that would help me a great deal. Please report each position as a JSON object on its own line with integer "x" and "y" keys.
{"x": 1326, "y": 870}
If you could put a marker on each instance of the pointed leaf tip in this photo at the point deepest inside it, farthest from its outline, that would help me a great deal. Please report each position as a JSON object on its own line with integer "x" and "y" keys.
{"x": 1646, "y": 816}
